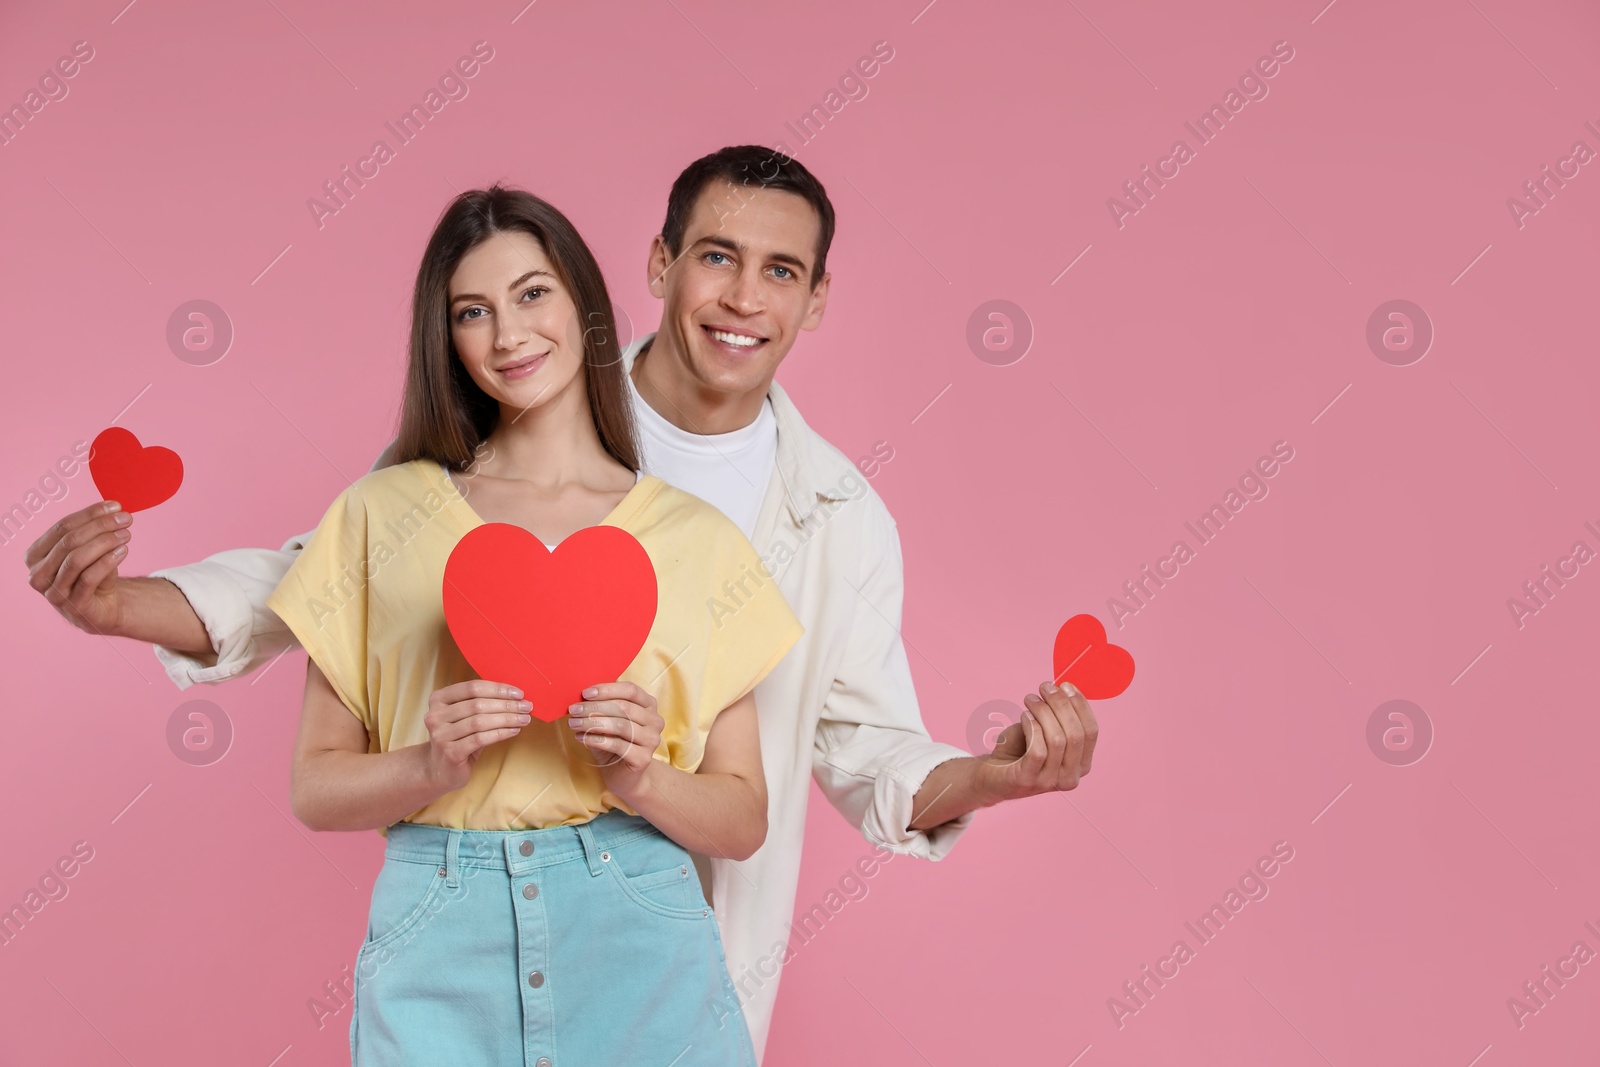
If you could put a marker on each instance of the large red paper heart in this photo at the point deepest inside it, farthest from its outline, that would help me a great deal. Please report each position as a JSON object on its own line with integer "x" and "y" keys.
{"x": 1085, "y": 658}
{"x": 549, "y": 623}
{"x": 135, "y": 476}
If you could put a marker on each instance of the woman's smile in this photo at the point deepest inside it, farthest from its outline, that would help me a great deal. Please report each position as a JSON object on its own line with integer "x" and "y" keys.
{"x": 524, "y": 367}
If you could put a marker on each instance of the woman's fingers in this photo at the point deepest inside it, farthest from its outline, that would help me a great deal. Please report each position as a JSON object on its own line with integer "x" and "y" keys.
{"x": 462, "y": 748}
{"x": 626, "y": 691}
{"x": 615, "y": 709}
{"x": 607, "y": 726}
{"x": 474, "y": 688}
{"x": 618, "y": 723}
{"x": 470, "y": 715}
{"x": 611, "y": 749}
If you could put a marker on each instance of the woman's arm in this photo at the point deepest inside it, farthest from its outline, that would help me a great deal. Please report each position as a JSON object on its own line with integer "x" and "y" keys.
{"x": 336, "y": 784}
{"x": 719, "y": 810}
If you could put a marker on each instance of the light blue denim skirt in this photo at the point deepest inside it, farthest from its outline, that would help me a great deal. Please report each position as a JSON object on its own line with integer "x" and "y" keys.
{"x": 575, "y": 946}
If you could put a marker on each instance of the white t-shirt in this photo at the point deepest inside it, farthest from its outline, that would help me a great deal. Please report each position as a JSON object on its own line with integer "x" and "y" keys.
{"x": 729, "y": 471}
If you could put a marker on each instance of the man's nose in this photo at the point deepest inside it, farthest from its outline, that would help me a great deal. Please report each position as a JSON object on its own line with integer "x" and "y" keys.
{"x": 744, "y": 293}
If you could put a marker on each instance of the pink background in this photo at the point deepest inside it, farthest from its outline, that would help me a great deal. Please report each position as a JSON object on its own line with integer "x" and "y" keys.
{"x": 1228, "y": 314}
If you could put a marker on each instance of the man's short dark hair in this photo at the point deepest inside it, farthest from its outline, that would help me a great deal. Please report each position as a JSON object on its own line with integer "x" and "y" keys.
{"x": 748, "y": 165}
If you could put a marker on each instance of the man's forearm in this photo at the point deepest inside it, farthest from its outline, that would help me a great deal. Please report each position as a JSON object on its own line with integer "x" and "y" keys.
{"x": 155, "y": 610}
{"x": 952, "y": 789}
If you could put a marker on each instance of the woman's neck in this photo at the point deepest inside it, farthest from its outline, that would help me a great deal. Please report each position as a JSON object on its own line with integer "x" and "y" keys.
{"x": 550, "y": 444}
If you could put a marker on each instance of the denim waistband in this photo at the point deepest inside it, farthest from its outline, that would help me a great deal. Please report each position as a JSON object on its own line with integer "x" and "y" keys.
{"x": 515, "y": 851}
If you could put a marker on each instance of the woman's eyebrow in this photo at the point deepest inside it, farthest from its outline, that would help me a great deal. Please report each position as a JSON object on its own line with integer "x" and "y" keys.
{"x": 513, "y": 285}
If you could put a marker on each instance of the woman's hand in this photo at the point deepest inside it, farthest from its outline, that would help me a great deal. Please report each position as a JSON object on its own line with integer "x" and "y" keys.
{"x": 74, "y": 564}
{"x": 619, "y": 724}
{"x": 465, "y": 718}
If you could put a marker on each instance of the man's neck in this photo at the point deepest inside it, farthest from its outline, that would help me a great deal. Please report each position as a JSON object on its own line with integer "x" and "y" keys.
{"x": 664, "y": 381}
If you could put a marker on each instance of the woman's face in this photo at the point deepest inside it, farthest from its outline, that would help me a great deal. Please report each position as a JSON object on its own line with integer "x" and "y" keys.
{"x": 514, "y": 323}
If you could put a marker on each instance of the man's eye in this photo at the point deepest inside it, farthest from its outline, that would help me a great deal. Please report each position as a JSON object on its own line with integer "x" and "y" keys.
{"x": 715, "y": 258}
{"x": 784, "y": 272}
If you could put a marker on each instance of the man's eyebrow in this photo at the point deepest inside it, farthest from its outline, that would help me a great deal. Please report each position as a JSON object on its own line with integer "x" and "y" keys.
{"x": 776, "y": 257}
{"x": 722, "y": 242}
{"x": 479, "y": 296}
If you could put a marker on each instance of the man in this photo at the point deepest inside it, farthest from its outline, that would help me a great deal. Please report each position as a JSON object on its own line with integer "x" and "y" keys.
{"x": 740, "y": 268}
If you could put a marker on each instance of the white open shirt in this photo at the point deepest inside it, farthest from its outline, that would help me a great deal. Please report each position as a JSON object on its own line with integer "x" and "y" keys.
{"x": 839, "y": 708}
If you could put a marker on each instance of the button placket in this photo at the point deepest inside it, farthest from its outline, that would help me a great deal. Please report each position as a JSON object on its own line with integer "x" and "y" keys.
{"x": 536, "y": 1030}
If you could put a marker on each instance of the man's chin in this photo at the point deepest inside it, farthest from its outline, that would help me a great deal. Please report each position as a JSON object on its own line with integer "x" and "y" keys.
{"x": 735, "y": 374}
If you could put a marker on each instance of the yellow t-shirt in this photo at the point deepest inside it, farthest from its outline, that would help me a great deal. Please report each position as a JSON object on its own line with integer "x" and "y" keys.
{"x": 365, "y": 600}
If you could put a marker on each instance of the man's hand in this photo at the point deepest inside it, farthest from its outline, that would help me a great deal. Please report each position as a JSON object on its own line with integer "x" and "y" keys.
{"x": 1049, "y": 750}
{"x": 74, "y": 565}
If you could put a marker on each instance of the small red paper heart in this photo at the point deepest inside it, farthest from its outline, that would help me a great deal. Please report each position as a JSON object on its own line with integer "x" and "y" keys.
{"x": 1085, "y": 658}
{"x": 549, "y": 623}
{"x": 134, "y": 475}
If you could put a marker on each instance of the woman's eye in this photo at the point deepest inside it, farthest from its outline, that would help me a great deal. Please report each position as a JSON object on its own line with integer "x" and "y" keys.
{"x": 534, "y": 289}
{"x": 467, "y": 313}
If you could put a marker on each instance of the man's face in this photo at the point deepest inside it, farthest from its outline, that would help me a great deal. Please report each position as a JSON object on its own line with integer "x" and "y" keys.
{"x": 741, "y": 288}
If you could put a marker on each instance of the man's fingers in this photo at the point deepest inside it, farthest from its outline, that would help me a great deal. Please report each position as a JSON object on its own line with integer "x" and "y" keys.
{"x": 1061, "y": 700}
{"x": 1090, "y": 725}
{"x": 64, "y": 585}
{"x": 1012, "y": 742}
{"x": 63, "y": 526}
{"x": 74, "y": 549}
{"x": 1065, "y": 734}
{"x": 1037, "y": 755}
{"x": 88, "y": 584}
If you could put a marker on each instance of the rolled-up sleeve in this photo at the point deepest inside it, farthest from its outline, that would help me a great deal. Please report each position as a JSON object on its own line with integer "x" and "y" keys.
{"x": 228, "y": 592}
{"x": 873, "y": 752}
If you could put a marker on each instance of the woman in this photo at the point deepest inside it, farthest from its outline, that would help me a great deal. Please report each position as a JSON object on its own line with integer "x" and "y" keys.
{"x": 583, "y": 937}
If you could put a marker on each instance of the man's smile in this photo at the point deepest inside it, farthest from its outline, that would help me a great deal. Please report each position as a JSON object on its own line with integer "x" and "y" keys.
{"x": 733, "y": 340}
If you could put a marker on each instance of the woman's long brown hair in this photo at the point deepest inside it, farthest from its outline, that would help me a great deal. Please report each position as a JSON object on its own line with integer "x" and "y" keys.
{"x": 444, "y": 415}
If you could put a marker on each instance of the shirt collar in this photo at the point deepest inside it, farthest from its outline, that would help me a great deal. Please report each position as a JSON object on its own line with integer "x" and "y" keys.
{"x": 803, "y": 485}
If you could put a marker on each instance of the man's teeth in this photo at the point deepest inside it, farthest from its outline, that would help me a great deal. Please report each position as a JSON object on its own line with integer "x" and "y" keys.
{"x": 738, "y": 339}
